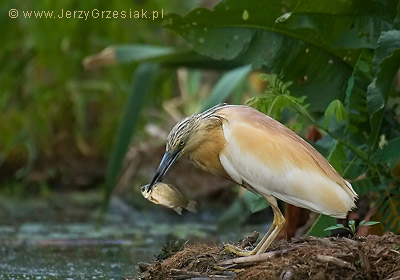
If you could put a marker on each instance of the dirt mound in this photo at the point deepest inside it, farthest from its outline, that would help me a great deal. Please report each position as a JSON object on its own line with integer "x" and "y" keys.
{"x": 370, "y": 257}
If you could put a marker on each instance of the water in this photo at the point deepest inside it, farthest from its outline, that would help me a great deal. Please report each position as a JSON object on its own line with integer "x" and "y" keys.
{"x": 57, "y": 239}
{"x": 82, "y": 251}
{"x": 78, "y": 261}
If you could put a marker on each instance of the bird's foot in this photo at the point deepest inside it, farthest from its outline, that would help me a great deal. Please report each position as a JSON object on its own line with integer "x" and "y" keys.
{"x": 221, "y": 268}
{"x": 238, "y": 251}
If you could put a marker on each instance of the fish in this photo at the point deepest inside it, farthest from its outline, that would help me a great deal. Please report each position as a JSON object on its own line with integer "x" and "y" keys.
{"x": 169, "y": 196}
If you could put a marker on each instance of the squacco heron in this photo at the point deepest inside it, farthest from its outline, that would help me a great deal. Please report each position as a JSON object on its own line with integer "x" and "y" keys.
{"x": 262, "y": 155}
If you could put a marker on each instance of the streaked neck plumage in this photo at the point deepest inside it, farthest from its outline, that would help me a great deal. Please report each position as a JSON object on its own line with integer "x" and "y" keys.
{"x": 203, "y": 139}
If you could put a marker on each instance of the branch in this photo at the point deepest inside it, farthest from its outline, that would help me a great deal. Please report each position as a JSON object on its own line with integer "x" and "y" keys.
{"x": 335, "y": 261}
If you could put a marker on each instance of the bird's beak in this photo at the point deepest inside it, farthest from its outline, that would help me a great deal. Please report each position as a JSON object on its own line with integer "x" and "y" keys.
{"x": 167, "y": 161}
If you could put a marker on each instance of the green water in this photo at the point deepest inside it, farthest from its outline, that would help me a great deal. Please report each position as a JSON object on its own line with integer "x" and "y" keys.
{"x": 57, "y": 239}
{"x": 82, "y": 251}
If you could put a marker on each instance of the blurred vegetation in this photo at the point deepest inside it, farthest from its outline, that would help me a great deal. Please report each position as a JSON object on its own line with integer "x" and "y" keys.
{"x": 330, "y": 64}
{"x": 54, "y": 111}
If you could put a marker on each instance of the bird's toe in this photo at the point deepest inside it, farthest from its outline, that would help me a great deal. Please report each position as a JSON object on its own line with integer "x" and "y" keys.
{"x": 238, "y": 251}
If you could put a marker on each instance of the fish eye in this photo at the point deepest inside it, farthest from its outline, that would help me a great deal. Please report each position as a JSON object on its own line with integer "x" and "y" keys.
{"x": 181, "y": 143}
{"x": 145, "y": 188}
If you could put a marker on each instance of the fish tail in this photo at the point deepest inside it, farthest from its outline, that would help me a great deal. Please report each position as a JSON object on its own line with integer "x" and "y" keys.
{"x": 178, "y": 210}
{"x": 192, "y": 206}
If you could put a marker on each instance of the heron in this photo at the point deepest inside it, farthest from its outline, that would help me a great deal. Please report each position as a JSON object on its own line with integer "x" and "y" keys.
{"x": 262, "y": 155}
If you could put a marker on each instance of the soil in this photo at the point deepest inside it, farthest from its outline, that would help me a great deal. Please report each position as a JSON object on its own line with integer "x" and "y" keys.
{"x": 369, "y": 257}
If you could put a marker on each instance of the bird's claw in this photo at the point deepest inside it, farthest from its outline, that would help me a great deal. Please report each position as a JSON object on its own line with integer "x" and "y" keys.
{"x": 238, "y": 251}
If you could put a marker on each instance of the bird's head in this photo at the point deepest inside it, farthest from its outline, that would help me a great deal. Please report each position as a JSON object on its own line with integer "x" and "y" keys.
{"x": 184, "y": 137}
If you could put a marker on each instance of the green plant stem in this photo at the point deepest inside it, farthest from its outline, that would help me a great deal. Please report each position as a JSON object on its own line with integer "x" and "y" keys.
{"x": 348, "y": 167}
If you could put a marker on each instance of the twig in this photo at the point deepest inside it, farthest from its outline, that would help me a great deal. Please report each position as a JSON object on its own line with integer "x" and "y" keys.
{"x": 335, "y": 261}
{"x": 194, "y": 275}
{"x": 180, "y": 272}
{"x": 212, "y": 277}
{"x": 394, "y": 278}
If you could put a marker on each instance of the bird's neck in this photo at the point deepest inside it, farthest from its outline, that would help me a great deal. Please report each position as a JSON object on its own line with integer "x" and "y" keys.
{"x": 209, "y": 143}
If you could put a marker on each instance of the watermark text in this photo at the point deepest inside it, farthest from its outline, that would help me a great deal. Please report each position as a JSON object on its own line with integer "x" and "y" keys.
{"x": 87, "y": 14}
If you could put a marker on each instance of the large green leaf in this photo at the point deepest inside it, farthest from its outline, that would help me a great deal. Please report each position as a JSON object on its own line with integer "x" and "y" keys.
{"x": 363, "y": 186}
{"x": 166, "y": 56}
{"x": 127, "y": 54}
{"x": 258, "y": 203}
{"x": 389, "y": 154}
{"x": 356, "y": 98}
{"x": 319, "y": 226}
{"x": 342, "y": 24}
{"x": 136, "y": 52}
{"x": 388, "y": 208}
{"x": 226, "y": 85}
{"x": 238, "y": 212}
{"x": 386, "y": 64}
{"x": 141, "y": 83}
{"x": 337, "y": 157}
{"x": 248, "y": 31}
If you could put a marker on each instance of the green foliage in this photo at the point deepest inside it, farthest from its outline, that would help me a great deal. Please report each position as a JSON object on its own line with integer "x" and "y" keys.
{"x": 258, "y": 203}
{"x": 315, "y": 46}
{"x": 337, "y": 157}
{"x": 226, "y": 85}
{"x": 344, "y": 25}
{"x": 352, "y": 228}
{"x": 171, "y": 248}
{"x": 139, "y": 53}
{"x": 389, "y": 154}
{"x": 388, "y": 206}
{"x": 50, "y": 104}
{"x": 276, "y": 98}
{"x": 356, "y": 98}
{"x": 386, "y": 63}
{"x": 320, "y": 224}
{"x": 334, "y": 109}
{"x": 241, "y": 209}
{"x": 363, "y": 186}
{"x": 141, "y": 84}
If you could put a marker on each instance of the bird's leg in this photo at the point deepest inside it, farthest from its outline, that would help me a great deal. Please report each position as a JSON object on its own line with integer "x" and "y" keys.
{"x": 241, "y": 252}
{"x": 273, "y": 231}
{"x": 279, "y": 222}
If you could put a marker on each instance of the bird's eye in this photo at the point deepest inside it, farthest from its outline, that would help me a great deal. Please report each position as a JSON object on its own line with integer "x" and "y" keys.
{"x": 181, "y": 143}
